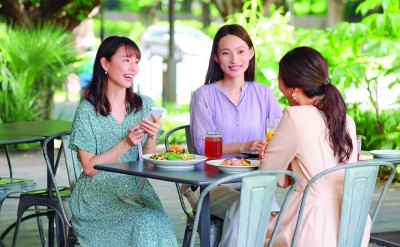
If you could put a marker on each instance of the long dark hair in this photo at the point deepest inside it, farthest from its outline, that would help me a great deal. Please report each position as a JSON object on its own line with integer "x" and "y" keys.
{"x": 214, "y": 72}
{"x": 306, "y": 68}
{"x": 95, "y": 92}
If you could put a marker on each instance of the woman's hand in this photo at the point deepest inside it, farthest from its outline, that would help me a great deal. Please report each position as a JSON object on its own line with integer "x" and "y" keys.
{"x": 135, "y": 135}
{"x": 261, "y": 152}
{"x": 256, "y": 145}
{"x": 149, "y": 127}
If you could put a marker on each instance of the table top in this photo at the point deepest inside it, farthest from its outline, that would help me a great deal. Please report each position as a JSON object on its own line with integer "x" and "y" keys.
{"x": 394, "y": 160}
{"x": 43, "y": 128}
{"x": 202, "y": 174}
{"x": 13, "y": 138}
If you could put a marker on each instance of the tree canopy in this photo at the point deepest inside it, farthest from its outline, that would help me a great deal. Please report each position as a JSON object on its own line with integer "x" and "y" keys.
{"x": 65, "y": 13}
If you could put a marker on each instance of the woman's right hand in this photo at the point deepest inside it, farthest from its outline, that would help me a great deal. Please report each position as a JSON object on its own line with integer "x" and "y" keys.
{"x": 135, "y": 135}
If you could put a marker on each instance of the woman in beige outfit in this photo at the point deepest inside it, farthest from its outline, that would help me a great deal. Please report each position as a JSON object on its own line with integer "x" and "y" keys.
{"x": 314, "y": 134}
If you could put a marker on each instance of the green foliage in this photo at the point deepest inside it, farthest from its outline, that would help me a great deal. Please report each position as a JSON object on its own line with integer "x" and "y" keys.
{"x": 174, "y": 118}
{"x": 362, "y": 56}
{"x": 33, "y": 64}
{"x": 309, "y": 7}
{"x": 133, "y": 30}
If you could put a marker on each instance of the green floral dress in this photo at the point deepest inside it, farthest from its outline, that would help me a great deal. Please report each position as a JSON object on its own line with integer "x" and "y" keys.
{"x": 100, "y": 217}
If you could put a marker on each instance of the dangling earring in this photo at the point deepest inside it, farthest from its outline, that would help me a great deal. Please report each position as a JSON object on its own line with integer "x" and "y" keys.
{"x": 105, "y": 72}
{"x": 293, "y": 96}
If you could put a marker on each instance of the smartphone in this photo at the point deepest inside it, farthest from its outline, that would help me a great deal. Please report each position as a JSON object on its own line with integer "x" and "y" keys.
{"x": 158, "y": 111}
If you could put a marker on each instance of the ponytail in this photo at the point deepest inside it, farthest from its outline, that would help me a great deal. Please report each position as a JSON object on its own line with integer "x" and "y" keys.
{"x": 334, "y": 109}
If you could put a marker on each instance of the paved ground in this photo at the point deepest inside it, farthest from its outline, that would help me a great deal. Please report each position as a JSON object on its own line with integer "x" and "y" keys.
{"x": 30, "y": 164}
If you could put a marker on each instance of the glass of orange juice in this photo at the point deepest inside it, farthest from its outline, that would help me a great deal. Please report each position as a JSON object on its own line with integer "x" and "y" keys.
{"x": 272, "y": 123}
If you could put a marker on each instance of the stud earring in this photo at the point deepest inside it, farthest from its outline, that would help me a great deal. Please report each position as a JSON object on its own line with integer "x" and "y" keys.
{"x": 105, "y": 72}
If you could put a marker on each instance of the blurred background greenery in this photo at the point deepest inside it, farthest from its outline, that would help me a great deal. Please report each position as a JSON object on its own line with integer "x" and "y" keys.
{"x": 360, "y": 40}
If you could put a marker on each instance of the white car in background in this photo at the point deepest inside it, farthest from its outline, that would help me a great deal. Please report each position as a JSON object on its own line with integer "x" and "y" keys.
{"x": 189, "y": 42}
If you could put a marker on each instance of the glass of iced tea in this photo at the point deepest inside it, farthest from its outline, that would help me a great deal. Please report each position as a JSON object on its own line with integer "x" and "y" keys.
{"x": 213, "y": 144}
{"x": 272, "y": 123}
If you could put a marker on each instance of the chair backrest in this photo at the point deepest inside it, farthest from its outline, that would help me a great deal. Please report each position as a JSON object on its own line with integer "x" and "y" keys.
{"x": 358, "y": 188}
{"x": 52, "y": 169}
{"x": 74, "y": 167}
{"x": 256, "y": 197}
{"x": 188, "y": 137}
{"x": 190, "y": 148}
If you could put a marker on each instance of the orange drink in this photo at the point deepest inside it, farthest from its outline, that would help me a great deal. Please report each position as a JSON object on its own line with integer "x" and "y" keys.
{"x": 272, "y": 123}
{"x": 270, "y": 132}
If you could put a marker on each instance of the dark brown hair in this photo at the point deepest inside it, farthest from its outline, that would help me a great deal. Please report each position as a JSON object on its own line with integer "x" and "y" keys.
{"x": 306, "y": 68}
{"x": 95, "y": 92}
{"x": 214, "y": 72}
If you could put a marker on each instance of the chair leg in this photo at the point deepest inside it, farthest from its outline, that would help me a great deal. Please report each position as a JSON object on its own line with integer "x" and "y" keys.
{"x": 186, "y": 237}
{"x": 17, "y": 224}
{"x": 42, "y": 234}
{"x": 22, "y": 208}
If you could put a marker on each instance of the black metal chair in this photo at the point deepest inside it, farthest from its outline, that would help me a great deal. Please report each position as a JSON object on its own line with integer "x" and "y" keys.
{"x": 55, "y": 201}
{"x": 216, "y": 223}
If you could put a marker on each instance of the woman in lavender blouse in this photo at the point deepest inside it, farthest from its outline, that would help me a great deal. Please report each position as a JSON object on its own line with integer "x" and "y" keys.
{"x": 232, "y": 102}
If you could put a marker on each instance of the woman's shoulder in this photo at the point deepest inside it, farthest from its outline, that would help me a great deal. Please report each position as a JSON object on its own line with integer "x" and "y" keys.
{"x": 146, "y": 99}
{"x": 85, "y": 106}
{"x": 350, "y": 120}
{"x": 260, "y": 87}
{"x": 205, "y": 88}
{"x": 147, "y": 102}
{"x": 302, "y": 110}
{"x": 205, "y": 91}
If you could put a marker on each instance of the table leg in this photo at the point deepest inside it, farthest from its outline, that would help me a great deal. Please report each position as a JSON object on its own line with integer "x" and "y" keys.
{"x": 205, "y": 221}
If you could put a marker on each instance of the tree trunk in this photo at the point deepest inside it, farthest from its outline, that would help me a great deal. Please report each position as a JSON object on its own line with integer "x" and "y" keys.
{"x": 228, "y": 7}
{"x": 335, "y": 10}
{"x": 14, "y": 12}
{"x": 205, "y": 14}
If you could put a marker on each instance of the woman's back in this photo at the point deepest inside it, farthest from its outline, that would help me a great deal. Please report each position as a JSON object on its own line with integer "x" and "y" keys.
{"x": 301, "y": 144}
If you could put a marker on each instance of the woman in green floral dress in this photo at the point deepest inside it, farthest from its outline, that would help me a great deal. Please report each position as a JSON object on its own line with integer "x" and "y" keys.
{"x": 109, "y": 127}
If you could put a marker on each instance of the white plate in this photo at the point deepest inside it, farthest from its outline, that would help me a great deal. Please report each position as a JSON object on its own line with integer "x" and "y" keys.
{"x": 386, "y": 154}
{"x": 175, "y": 164}
{"x": 234, "y": 169}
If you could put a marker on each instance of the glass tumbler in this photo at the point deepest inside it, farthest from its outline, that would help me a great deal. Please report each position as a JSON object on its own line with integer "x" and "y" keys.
{"x": 213, "y": 144}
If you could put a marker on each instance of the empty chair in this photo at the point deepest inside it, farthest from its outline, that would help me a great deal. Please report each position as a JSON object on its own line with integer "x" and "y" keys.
{"x": 216, "y": 223}
{"x": 256, "y": 197}
{"x": 56, "y": 200}
{"x": 359, "y": 185}
{"x": 10, "y": 185}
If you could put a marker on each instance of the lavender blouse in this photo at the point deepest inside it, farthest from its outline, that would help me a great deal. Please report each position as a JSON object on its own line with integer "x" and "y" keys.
{"x": 210, "y": 108}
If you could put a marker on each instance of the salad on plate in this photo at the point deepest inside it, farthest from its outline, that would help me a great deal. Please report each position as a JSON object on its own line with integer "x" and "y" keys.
{"x": 174, "y": 152}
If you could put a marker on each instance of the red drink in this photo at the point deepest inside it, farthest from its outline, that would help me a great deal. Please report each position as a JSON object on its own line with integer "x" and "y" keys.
{"x": 213, "y": 147}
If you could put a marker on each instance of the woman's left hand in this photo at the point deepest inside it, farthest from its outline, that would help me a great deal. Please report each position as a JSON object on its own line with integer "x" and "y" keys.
{"x": 150, "y": 127}
{"x": 261, "y": 152}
